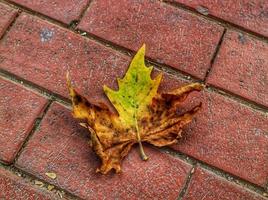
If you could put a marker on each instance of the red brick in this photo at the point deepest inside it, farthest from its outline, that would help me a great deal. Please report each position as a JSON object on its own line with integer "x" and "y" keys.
{"x": 229, "y": 136}
{"x": 173, "y": 36}
{"x": 18, "y": 110}
{"x": 250, "y": 14}
{"x": 60, "y": 146}
{"x": 208, "y": 186}
{"x": 242, "y": 67}
{"x": 7, "y": 16}
{"x": 45, "y": 61}
{"x": 65, "y": 11}
{"x": 13, "y": 187}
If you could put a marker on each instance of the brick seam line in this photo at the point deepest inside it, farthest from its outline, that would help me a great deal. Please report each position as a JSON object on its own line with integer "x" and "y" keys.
{"x": 183, "y": 156}
{"x": 10, "y": 23}
{"x": 169, "y": 70}
{"x": 237, "y": 98}
{"x": 187, "y": 182}
{"x": 219, "y": 172}
{"x": 215, "y": 54}
{"x": 172, "y": 72}
{"x": 220, "y": 21}
{"x": 74, "y": 23}
{"x": 62, "y": 100}
{"x": 35, "y": 88}
{"x": 31, "y": 178}
{"x": 36, "y": 126}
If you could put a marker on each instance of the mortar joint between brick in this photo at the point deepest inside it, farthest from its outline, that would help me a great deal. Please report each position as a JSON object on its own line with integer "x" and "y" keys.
{"x": 37, "y": 123}
{"x": 215, "y": 54}
{"x": 239, "y": 99}
{"x": 10, "y": 25}
{"x": 187, "y": 183}
{"x": 34, "y": 88}
{"x": 82, "y": 14}
{"x": 172, "y": 71}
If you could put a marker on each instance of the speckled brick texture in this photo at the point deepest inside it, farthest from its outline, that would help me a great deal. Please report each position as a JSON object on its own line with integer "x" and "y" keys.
{"x": 19, "y": 109}
{"x": 65, "y": 11}
{"x": 242, "y": 67}
{"x": 62, "y": 147}
{"x": 16, "y": 188}
{"x": 250, "y": 14}
{"x": 173, "y": 37}
{"x": 7, "y": 15}
{"x": 208, "y": 186}
{"x": 229, "y": 136}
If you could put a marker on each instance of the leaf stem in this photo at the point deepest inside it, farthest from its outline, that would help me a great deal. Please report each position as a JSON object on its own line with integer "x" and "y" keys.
{"x": 142, "y": 153}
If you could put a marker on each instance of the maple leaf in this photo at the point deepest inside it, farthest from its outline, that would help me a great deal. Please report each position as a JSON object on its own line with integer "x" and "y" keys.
{"x": 143, "y": 114}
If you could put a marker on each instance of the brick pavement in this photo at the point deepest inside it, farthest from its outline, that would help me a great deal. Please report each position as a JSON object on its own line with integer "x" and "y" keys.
{"x": 224, "y": 152}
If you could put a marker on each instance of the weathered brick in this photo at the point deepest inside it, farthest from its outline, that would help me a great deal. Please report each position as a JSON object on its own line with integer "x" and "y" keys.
{"x": 13, "y": 187}
{"x": 250, "y": 14}
{"x": 41, "y": 53}
{"x": 65, "y": 11}
{"x": 18, "y": 110}
{"x": 230, "y": 136}
{"x": 61, "y": 146}
{"x": 7, "y": 16}
{"x": 208, "y": 186}
{"x": 242, "y": 67}
{"x": 173, "y": 36}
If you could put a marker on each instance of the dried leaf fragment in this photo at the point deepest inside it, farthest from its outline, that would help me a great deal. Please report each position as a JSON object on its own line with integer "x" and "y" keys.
{"x": 143, "y": 114}
{"x": 50, "y": 187}
{"x": 51, "y": 175}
